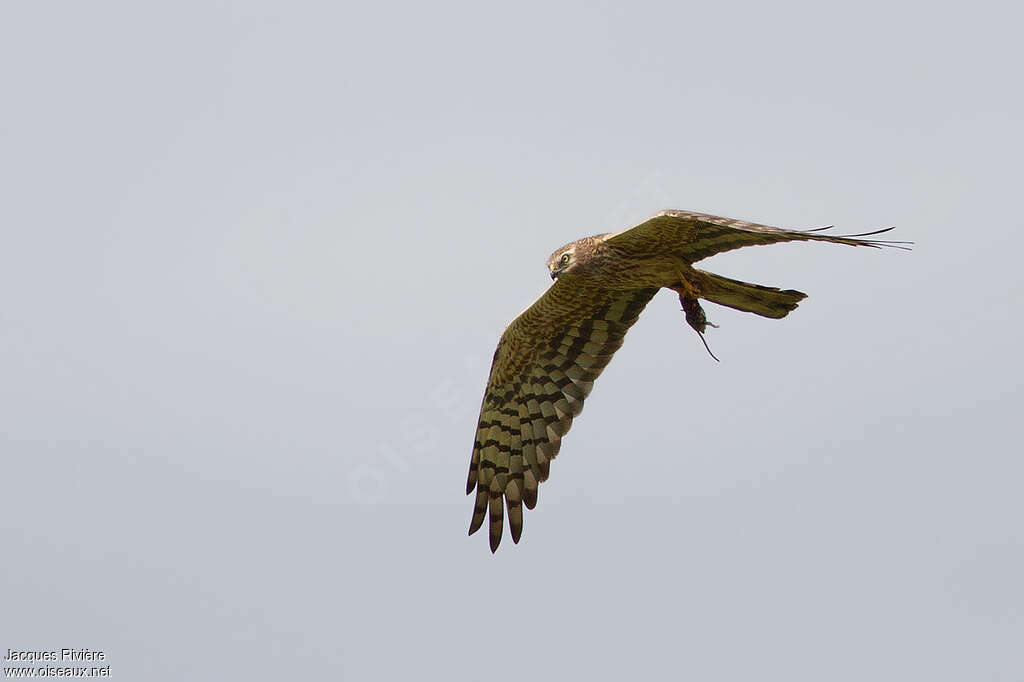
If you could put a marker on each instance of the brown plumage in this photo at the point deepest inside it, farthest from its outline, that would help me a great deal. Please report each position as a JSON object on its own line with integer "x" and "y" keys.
{"x": 549, "y": 357}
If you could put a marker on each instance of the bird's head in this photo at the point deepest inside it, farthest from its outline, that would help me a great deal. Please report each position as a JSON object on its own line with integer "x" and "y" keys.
{"x": 580, "y": 257}
{"x": 562, "y": 260}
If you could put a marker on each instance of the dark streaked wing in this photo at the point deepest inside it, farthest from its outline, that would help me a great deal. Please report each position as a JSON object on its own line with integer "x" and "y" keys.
{"x": 695, "y": 236}
{"x": 544, "y": 368}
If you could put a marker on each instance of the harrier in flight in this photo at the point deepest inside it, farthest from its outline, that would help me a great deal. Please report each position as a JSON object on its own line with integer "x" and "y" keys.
{"x": 549, "y": 356}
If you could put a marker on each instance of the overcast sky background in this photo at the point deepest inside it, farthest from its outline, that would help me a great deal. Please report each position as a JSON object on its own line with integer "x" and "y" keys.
{"x": 255, "y": 258}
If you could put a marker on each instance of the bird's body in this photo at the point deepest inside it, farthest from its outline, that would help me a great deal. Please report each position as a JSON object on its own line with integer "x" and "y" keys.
{"x": 548, "y": 357}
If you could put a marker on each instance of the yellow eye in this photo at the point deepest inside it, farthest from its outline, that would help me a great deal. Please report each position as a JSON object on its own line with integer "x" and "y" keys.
{"x": 565, "y": 258}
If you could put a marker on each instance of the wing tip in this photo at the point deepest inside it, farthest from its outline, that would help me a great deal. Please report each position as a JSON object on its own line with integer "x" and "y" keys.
{"x": 858, "y": 239}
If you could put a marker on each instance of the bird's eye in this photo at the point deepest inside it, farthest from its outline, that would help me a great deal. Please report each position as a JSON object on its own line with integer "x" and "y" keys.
{"x": 565, "y": 258}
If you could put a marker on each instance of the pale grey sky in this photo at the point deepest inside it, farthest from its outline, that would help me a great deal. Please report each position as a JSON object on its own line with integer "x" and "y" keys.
{"x": 255, "y": 257}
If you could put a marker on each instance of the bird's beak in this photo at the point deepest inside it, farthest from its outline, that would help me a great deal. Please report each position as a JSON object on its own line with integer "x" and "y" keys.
{"x": 554, "y": 273}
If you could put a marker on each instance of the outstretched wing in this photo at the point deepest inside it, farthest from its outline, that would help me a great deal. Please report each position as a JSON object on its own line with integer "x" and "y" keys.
{"x": 695, "y": 236}
{"x": 544, "y": 367}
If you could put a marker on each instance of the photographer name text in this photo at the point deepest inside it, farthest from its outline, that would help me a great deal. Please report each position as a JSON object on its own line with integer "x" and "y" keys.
{"x": 43, "y": 655}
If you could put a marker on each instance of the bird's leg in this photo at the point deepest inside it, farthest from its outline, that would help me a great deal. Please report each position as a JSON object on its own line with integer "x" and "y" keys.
{"x": 695, "y": 317}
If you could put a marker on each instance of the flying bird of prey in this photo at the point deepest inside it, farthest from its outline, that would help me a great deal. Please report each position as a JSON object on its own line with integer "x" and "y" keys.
{"x": 549, "y": 356}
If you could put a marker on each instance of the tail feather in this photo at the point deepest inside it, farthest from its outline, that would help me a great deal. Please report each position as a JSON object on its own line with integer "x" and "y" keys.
{"x": 751, "y": 298}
